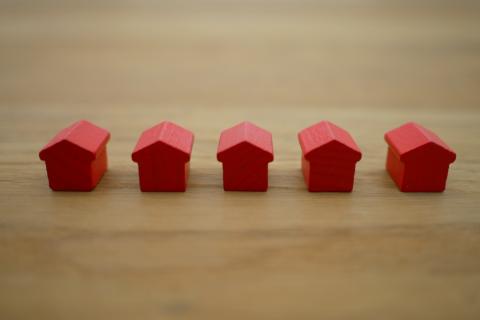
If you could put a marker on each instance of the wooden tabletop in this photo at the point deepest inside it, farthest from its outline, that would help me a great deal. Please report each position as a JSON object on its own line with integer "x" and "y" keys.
{"x": 117, "y": 253}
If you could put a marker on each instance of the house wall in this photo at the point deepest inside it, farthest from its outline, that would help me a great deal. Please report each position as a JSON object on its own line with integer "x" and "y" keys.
{"x": 245, "y": 176}
{"x": 426, "y": 176}
{"x": 69, "y": 174}
{"x": 158, "y": 175}
{"x": 99, "y": 166}
{"x": 417, "y": 175}
{"x": 329, "y": 175}
{"x": 395, "y": 167}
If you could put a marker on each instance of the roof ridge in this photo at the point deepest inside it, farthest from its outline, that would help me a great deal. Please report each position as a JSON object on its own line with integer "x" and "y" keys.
{"x": 69, "y": 130}
{"x": 75, "y": 135}
{"x": 165, "y": 134}
{"x": 432, "y": 137}
{"x": 411, "y": 137}
{"x": 248, "y": 133}
{"x": 329, "y": 128}
{"x": 424, "y": 132}
{"x": 161, "y": 132}
{"x": 245, "y": 128}
{"x": 325, "y": 133}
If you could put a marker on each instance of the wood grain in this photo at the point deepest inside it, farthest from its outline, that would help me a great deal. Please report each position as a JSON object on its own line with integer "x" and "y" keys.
{"x": 116, "y": 253}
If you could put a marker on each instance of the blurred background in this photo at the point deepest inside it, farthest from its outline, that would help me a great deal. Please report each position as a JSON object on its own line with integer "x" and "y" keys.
{"x": 345, "y": 53}
{"x": 367, "y": 65}
{"x": 208, "y": 64}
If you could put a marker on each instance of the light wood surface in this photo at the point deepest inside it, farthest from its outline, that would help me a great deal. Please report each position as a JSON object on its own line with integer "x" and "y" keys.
{"x": 116, "y": 253}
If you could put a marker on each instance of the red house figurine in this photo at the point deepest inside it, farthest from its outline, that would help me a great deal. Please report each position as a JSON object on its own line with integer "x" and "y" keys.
{"x": 163, "y": 156}
{"x": 76, "y": 158}
{"x": 418, "y": 159}
{"x": 329, "y": 156}
{"x": 245, "y": 151}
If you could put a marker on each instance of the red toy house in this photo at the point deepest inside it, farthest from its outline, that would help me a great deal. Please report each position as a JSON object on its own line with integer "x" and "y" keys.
{"x": 329, "y": 156}
{"x": 76, "y": 158}
{"x": 418, "y": 159}
{"x": 163, "y": 156}
{"x": 245, "y": 151}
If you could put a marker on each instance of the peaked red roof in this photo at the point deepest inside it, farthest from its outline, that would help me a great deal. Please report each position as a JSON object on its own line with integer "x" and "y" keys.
{"x": 84, "y": 138}
{"x": 412, "y": 137}
{"x": 245, "y": 133}
{"x": 169, "y": 134}
{"x": 323, "y": 136}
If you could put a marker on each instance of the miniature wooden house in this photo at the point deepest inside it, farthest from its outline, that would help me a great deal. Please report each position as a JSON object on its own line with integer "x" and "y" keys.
{"x": 245, "y": 151}
{"x": 417, "y": 159}
{"x": 163, "y": 156}
{"x": 76, "y": 158}
{"x": 329, "y": 157}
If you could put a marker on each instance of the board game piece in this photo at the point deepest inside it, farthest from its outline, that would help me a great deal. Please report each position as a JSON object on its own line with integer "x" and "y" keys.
{"x": 245, "y": 151}
{"x": 417, "y": 159}
{"x": 76, "y": 158}
{"x": 163, "y": 156}
{"x": 329, "y": 157}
